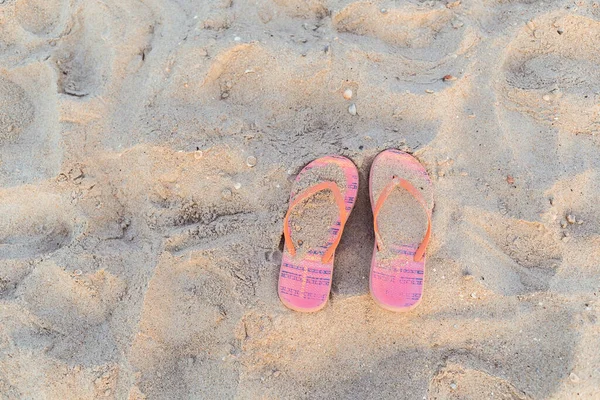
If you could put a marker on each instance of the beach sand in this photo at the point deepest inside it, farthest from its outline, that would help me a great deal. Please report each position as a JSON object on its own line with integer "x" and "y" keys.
{"x": 147, "y": 150}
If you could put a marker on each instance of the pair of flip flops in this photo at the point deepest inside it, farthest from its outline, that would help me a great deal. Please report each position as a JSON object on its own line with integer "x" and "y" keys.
{"x": 322, "y": 198}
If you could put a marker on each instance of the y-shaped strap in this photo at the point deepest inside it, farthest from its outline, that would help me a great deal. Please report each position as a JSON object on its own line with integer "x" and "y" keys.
{"x": 406, "y": 185}
{"x": 339, "y": 199}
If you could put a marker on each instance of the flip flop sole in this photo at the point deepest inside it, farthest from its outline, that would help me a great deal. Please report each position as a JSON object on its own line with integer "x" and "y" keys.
{"x": 396, "y": 282}
{"x": 305, "y": 282}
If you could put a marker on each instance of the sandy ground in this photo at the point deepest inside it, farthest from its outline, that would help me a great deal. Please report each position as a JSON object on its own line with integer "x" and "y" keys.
{"x": 139, "y": 252}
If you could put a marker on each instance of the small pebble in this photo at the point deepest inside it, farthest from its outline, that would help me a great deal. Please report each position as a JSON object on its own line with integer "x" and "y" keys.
{"x": 474, "y": 295}
{"x": 453, "y": 386}
{"x": 467, "y": 276}
{"x": 276, "y": 373}
{"x": 352, "y": 109}
{"x": 429, "y": 91}
{"x": 531, "y": 25}
{"x": 510, "y": 180}
{"x": 566, "y": 239}
{"x": 77, "y": 272}
{"x": 237, "y": 186}
{"x": 573, "y": 377}
{"x": 224, "y": 95}
{"x": 384, "y": 10}
{"x": 546, "y": 97}
{"x": 449, "y": 78}
{"x": 570, "y": 219}
{"x": 579, "y": 222}
{"x": 237, "y": 38}
{"x": 198, "y": 154}
{"x": 348, "y": 94}
{"x": 226, "y": 194}
{"x": 251, "y": 161}
{"x": 563, "y": 224}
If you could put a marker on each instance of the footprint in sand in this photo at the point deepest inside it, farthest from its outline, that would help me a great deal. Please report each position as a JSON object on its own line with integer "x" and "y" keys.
{"x": 58, "y": 320}
{"x": 83, "y": 60}
{"x": 183, "y": 343}
{"x": 80, "y": 71}
{"x": 70, "y": 303}
{"x": 428, "y": 39}
{"x": 41, "y": 17}
{"x": 229, "y": 77}
{"x": 12, "y": 273}
{"x": 173, "y": 191}
{"x": 522, "y": 256}
{"x": 29, "y": 129}
{"x": 410, "y": 28}
{"x": 16, "y": 110}
{"x": 550, "y": 72}
{"x": 32, "y": 223}
{"x": 224, "y": 222}
{"x": 456, "y": 382}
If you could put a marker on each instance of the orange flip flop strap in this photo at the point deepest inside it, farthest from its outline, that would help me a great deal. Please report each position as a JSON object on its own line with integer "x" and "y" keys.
{"x": 339, "y": 199}
{"x": 406, "y": 185}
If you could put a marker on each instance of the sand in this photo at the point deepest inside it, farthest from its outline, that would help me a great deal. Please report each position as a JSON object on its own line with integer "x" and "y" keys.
{"x": 312, "y": 218}
{"x": 402, "y": 219}
{"x": 139, "y": 252}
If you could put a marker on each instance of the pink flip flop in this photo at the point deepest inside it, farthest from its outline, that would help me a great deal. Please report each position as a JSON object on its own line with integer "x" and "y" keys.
{"x": 402, "y": 202}
{"x": 306, "y": 268}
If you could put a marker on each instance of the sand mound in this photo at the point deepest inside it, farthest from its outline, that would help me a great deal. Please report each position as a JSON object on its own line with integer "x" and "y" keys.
{"x": 549, "y": 72}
